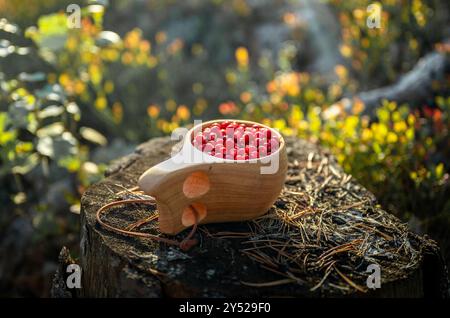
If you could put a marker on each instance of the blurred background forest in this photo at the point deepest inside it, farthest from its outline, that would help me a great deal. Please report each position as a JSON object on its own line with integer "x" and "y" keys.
{"x": 72, "y": 100}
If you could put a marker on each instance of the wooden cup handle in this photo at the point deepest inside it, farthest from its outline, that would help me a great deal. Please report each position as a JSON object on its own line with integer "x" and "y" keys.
{"x": 173, "y": 168}
{"x": 175, "y": 184}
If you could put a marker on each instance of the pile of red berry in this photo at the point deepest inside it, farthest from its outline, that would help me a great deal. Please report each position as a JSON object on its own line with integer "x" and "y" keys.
{"x": 236, "y": 141}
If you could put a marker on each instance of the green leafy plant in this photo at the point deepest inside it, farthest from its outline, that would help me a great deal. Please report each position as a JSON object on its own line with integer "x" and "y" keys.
{"x": 41, "y": 139}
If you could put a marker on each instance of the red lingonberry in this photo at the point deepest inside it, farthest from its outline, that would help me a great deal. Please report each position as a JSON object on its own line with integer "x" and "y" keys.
{"x": 229, "y": 132}
{"x": 200, "y": 139}
{"x": 240, "y": 142}
{"x": 229, "y": 143}
{"x": 262, "y": 151}
{"x": 253, "y": 155}
{"x": 274, "y": 144}
{"x": 197, "y": 145}
{"x": 208, "y": 147}
{"x": 219, "y": 148}
{"x": 224, "y": 124}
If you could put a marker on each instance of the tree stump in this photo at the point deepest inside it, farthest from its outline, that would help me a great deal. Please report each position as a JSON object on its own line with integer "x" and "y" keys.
{"x": 317, "y": 240}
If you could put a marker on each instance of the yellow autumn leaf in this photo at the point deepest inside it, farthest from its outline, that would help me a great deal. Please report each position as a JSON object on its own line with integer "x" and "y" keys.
{"x": 391, "y": 137}
{"x": 101, "y": 103}
{"x": 153, "y": 111}
{"x": 183, "y": 112}
{"x": 439, "y": 170}
{"x": 241, "y": 56}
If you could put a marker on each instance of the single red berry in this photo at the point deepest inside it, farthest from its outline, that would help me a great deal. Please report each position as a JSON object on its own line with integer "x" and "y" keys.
{"x": 229, "y": 143}
{"x": 233, "y": 125}
{"x": 229, "y": 132}
{"x": 251, "y": 149}
{"x": 247, "y": 137}
{"x": 215, "y": 130}
{"x": 241, "y": 142}
{"x": 253, "y": 155}
{"x": 236, "y": 136}
{"x": 218, "y": 148}
{"x": 208, "y": 147}
{"x": 197, "y": 145}
{"x": 252, "y": 142}
{"x": 274, "y": 144}
{"x": 262, "y": 151}
{"x": 266, "y": 133}
{"x": 232, "y": 150}
{"x": 200, "y": 139}
{"x": 224, "y": 124}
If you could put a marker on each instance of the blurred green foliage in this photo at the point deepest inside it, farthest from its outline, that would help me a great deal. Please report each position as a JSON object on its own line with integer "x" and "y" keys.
{"x": 74, "y": 91}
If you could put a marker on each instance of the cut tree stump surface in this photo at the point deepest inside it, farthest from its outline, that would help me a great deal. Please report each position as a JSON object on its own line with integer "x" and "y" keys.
{"x": 317, "y": 240}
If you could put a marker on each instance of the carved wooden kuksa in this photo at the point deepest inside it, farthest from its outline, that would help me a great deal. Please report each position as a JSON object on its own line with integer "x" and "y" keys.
{"x": 194, "y": 184}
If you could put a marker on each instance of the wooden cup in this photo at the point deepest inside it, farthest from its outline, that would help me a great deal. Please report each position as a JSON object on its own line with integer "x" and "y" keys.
{"x": 194, "y": 184}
